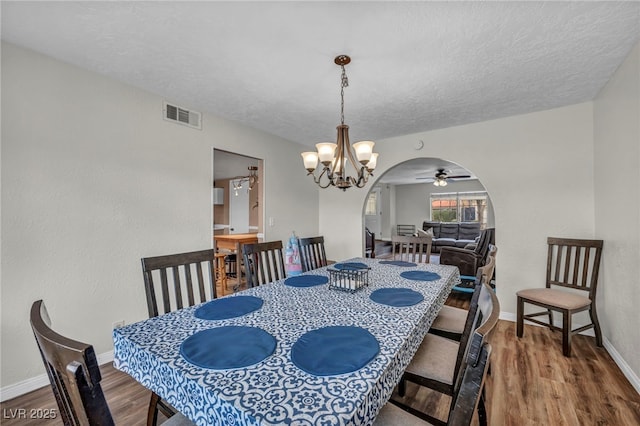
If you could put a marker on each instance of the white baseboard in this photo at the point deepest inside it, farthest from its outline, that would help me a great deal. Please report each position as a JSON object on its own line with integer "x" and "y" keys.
{"x": 617, "y": 358}
{"x": 34, "y": 383}
{"x": 622, "y": 364}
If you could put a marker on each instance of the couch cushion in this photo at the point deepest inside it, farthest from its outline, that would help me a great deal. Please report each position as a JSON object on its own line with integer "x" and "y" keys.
{"x": 435, "y": 226}
{"x": 465, "y": 243}
{"x": 444, "y": 242}
{"x": 449, "y": 230}
{"x": 469, "y": 230}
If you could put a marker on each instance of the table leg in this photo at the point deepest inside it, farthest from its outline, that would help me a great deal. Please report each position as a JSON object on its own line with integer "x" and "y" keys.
{"x": 238, "y": 260}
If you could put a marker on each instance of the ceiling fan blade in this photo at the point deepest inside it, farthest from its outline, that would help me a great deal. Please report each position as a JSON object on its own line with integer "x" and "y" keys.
{"x": 458, "y": 177}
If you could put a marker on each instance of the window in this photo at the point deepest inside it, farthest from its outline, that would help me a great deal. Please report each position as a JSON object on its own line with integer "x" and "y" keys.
{"x": 372, "y": 202}
{"x": 459, "y": 207}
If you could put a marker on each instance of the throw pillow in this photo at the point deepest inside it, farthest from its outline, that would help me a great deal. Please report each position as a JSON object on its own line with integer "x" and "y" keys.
{"x": 427, "y": 233}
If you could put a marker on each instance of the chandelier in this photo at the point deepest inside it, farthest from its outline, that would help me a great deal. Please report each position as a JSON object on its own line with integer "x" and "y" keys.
{"x": 333, "y": 156}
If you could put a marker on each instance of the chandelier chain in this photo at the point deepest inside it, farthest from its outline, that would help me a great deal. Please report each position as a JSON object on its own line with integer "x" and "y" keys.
{"x": 345, "y": 83}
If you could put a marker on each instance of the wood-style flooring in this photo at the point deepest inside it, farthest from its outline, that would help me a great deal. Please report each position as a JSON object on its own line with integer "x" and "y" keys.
{"x": 531, "y": 383}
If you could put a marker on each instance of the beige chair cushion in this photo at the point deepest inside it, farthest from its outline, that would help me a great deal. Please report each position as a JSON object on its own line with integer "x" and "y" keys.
{"x": 435, "y": 359}
{"x": 178, "y": 420}
{"x": 559, "y": 298}
{"x": 392, "y": 415}
{"x": 450, "y": 319}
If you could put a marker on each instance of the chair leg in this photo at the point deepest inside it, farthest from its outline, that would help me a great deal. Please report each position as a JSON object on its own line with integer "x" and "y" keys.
{"x": 519, "y": 315}
{"x": 482, "y": 411}
{"x": 566, "y": 333}
{"x": 152, "y": 414}
{"x": 596, "y": 325}
{"x": 402, "y": 387}
{"x": 550, "y": 314}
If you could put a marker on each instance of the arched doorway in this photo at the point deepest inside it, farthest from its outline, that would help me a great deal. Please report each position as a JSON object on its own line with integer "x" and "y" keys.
{"x": 405, "y": 195}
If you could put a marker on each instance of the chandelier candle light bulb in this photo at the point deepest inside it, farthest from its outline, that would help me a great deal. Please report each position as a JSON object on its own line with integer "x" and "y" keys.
{"x": 335, "y": 156}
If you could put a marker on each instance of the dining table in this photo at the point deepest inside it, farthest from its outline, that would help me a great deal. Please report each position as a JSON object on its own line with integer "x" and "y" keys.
{"x": 297, "y": 351}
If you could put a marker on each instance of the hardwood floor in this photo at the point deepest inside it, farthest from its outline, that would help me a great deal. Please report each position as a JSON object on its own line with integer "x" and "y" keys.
{"x": 531, "y": 383}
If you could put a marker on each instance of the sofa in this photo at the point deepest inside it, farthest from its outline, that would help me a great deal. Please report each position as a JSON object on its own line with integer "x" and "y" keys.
{"x": 469, "y": 259}
{"x": 451, "y": 234}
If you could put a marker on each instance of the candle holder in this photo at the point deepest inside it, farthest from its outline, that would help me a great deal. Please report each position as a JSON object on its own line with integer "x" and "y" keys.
{"x": 349, "y": 280}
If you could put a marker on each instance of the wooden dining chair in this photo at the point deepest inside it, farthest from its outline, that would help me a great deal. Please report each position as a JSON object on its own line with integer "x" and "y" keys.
{"x": 439, "y": 361}
{"x": 451, "y": 320}
{"x": 75, "y": 376}
{"x": 467, "y": 400}
{"x": 263, "y": 262}
{"x": 312, "y": 253}
{"x": 184, "y": 274}
{"x": 406, "y": 230}
{"x": 369, "y": 243}
{"x": 410, "y": 248}
{"x": 571, "y": 264}
{"x": 172, "y": 282}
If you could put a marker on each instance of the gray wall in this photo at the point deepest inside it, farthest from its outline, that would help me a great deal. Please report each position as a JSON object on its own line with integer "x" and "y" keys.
{"x": 93, "y": 179}
{"x": 617, "y": 201}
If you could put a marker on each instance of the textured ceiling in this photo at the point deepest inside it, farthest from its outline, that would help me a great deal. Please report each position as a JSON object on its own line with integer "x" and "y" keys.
{"x": 416, "y": 65}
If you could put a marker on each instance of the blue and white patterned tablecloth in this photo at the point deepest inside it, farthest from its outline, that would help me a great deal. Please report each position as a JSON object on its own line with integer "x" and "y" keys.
{"x": 275, "y": 391}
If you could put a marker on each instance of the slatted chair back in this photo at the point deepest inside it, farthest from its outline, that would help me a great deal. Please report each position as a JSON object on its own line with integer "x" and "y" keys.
{"x": 405, "y": 229}
{"x": 411, "y": 249}
{"x": 369, "y": 243}
{"x": 489, "y": 267}
{"x": 312, "y": 253}
{"x": 574, "y": 263}
{"x": 470, "y": 394}
{"x": 263, "y": 262}
{"x": 179, "y": 280}
{"x": 73, "y": 372}
{"x": 474, "y": 320}
{"x": 487, "y": 319}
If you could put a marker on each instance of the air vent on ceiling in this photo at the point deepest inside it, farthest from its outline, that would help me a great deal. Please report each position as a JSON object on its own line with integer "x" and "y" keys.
{"x": 182, "y": 116}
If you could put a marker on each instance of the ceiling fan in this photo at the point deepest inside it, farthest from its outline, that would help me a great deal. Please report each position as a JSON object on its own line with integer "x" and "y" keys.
{"x": 441, "y": 176}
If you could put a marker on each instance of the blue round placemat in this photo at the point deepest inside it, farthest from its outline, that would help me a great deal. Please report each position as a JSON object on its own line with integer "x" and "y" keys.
{"x": 228, "y": 347}
{"x": 228, "y": 307}
{"x": 306, "y": 280}
{"x": 350, "y": 266}
{"x": 398, "y": 263}
{"x": 420, "y": 275}
{"x": 397, "y": 297}
{"x": 334, "y": 350}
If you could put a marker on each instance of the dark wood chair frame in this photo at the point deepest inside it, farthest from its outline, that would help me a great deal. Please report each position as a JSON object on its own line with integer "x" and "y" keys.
{"x": 410, "y": 248}
{"x": 369, "y": 243}
{"x": 178, "y": 264}
{"x": 263, "y": 262}
{"x": 73, "y": 371}
{"x": 470, "y": 395}
{"x": 579, "y": 271}
{"x": 312, "y": 253}
{"x": 480, "y": 322}
{"x": 482, "y": 277}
